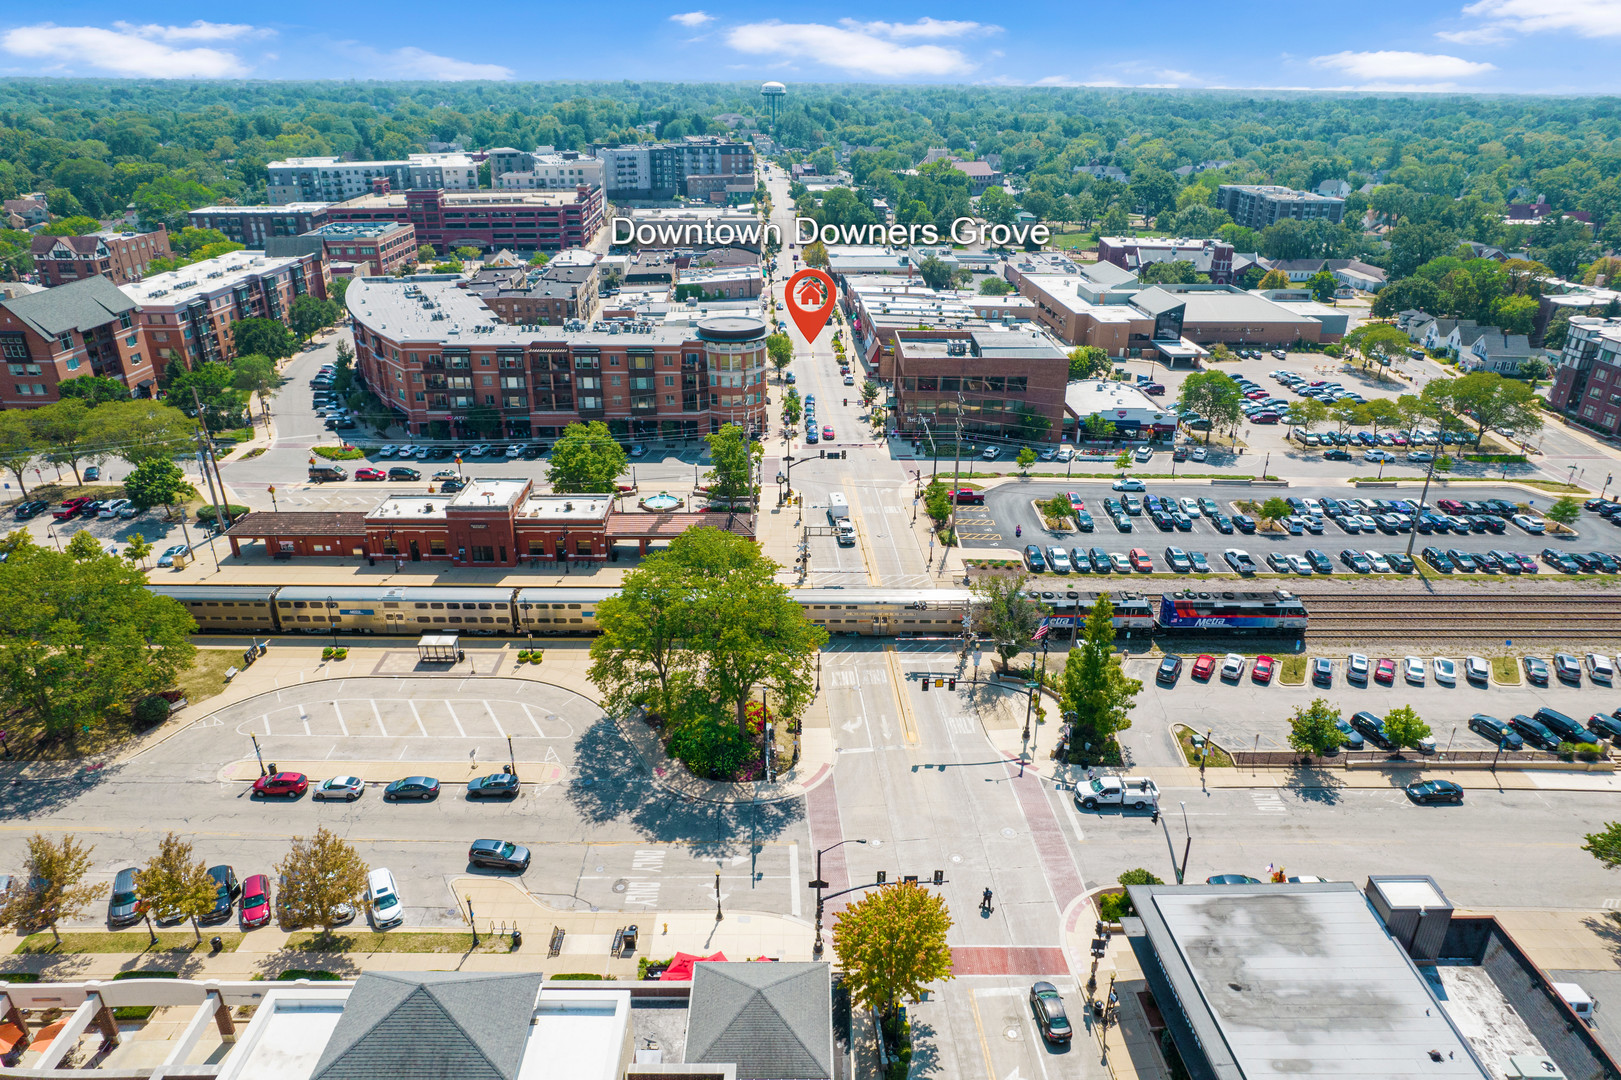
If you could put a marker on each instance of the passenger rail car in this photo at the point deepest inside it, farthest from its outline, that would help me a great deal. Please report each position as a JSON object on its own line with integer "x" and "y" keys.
{"x": 1247, "y": 612}
{"x": 1132, "y": 611}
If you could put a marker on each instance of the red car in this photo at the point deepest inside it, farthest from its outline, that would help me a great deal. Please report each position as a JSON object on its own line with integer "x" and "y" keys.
{"x": 1140, "y": 561}
{"x": 1265, "y": 667}
{"x": 1385, "y": 673}
{"x": 1204, "y": 667}
{"x": 370, "y": 474}
{"x": 1076, "y": 502}
{"x": 255, "y": 901}
{"x": 71, "y": 508}
{"x": 827, "y": 433}
{"x": 970, "y": 497}
{"x": 290, "y": 784}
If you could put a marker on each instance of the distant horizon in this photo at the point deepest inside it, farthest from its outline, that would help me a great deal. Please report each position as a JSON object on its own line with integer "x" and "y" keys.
{"x": 1562, "y": 48}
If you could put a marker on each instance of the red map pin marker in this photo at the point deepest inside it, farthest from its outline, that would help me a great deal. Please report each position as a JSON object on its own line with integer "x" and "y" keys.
{"x": 809, "y": 298}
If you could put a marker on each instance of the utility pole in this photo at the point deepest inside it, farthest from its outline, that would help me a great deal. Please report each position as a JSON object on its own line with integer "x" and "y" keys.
{"x": 207, "y": 456}
{"x": 1413, "y": 532}
{"x": 956, "y": 469}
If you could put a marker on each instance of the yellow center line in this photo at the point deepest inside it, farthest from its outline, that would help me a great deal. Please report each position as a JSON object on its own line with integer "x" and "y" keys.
{"x": 902, "y": 698}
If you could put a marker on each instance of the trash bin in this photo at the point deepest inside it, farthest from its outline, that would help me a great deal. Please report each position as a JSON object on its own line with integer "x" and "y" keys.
{"x": 630, "y": 937}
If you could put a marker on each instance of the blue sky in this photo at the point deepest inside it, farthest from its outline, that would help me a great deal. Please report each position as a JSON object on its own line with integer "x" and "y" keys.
{"x": 1536, "y": 46}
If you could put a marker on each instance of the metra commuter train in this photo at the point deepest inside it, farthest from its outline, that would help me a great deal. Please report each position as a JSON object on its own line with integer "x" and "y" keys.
{"x": 407, "y": 610}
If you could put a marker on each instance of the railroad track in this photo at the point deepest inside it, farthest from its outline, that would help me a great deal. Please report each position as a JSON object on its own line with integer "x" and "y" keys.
{"x": 1464, "y": 617}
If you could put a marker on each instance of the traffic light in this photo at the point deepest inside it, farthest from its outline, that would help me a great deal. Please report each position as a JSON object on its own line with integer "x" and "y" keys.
{"x": 883, "y": 876}
{"x": 926, "y": 683}
{"x": 951, "y": 684}
{"x": 939, "y": 877}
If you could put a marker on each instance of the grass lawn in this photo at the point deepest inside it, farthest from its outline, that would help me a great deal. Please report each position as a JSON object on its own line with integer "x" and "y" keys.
{"x": 1292, "y": 670}
{"x": 1215, "y": 758}
{"x": 1506, "y": 670}
{"x": 129, "y": 941}
{"x": 399, "y": 941}
{"x": 1075, "y": 241}
{"x": 206, "y": 677}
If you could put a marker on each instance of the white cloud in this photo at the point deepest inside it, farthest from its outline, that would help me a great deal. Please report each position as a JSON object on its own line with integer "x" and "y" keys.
{"x": 1588, "y": 18}
{"x": 692, "y": 18}
{"x": 857, "y": 50}
{"x": 133, "y": 51}
{"x": 1484, "y": 35}
{"x": 421, "y": 64}
{"x": 1389, "y": 66}
{"x": 197, "y": 31}
{"x": 925, "y": 27}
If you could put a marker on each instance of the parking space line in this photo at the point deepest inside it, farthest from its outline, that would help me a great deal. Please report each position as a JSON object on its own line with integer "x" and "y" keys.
{"x": 499, "y": 730}
{"x": 379, "y": 714}
{"x": 454, "y": 719}
{"x": 342, "y": 725}
{"x": 418, "y": 717}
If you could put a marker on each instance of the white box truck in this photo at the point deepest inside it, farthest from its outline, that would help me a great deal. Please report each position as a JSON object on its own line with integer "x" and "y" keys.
{"x": 838, "y": 516}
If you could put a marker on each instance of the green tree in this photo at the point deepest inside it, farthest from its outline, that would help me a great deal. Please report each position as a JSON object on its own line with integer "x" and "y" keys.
{"x": 158, "y": 482}
{"x": 815, "y": 254}
{"x": 1088, "y": 362}
{"x": 1168, "y": 272}
{"x": 1323, "y": 285}
{"x": 1408, "y": 294}
{"x": 51, "y": 887}
{"x": 1534, "y": 368}
{"x": 17, "y": 445}
{"x": 426, "y": 254}
{"x": 255, "y": 374}
{"x": 93, "y": 389}
{"x": 792, "y": 407}
{"x": 891, "y": 945}
{"x": 83, "y": 547}
{"x": 734, "y": 459}
{"x": 167, "y": 200}
{"x": 138, "y": 549}
{"x": 1215, "y": 396}
{"x": 1605, "y": 846}
{"x": 1153, "y": 189}
{"x": 336, "y": 290}
{"x": 80, "y": 640}
{"x": 1025, "y": 459}
{"x": 1305, "y": 414}
{"x": 936, "y": 273}
{"x": 1275, "y": 279}
{"x": 78, "y": 225}
{"x": 1496, "y": 403}
{"x": 63, "y": 430}
{"x": 174, "y": 883}
{"x": 1564, "y": 511}
{"x": 869, "y": 392}
{"x": 780, "y": 348}
{"x": 1094, "y": 687}
{"x": 467, "y": 253}
{"x": 587, "y": 459}
{"x": 1345, "y": 414}
{"x": 1002, "y": 614}
{"x": 937, "y": 503}
{"x": 1379, "y": 413}
{"x": 1122, "y": 460}
{"x": 731, "y": 629}
{"x": 266, "y": 337}
{"x": 1378, "y": 342}
{"x": 214, "y": 386}
{"x": 322, "y": 879}
{"x": 1275, "y": 509}
{"x": 309, "y": 314}
{"x": 190, "y": 239}
{"x": 1314, "y": 729}
{"x": 1098, "y": 426}
{"x": 994, "y": 286}
{"x": 140, "y": 430}
{"x": 1404, "y": 728}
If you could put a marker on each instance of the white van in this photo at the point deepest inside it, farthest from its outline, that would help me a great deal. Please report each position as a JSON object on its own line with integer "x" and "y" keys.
{"x": 384, "y": 898}
{"x": 1599, "y": 669}
{"x": 1578, "y": 1000}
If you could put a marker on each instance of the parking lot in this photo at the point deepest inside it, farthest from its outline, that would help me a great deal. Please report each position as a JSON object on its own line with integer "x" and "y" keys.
{"x": 1246, "y": 715}
{"x": 1009, "y": 519}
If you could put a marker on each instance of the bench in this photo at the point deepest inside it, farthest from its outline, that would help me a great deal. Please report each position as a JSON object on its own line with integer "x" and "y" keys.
{"x": 556, "y": 945}
{"x": 231, "y": 673}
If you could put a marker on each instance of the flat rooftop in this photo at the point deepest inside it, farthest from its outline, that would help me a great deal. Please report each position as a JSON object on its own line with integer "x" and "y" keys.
{"x": 337, "y": 230}
{"x": 1107, "y": 397}
{"x": 566, "y": 507}
{"x": 1286, "y": 981}
{"x": 1064, "y": 291}
{"x": 396, "y": 200}
{"x": 289, "y": 1039}
{"x": 489, "y": 491}
{"x": 205, "y": 278}
{"x": 285, "y": 208}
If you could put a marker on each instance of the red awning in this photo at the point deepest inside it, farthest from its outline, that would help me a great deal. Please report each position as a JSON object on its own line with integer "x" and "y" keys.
{"x": 681, "y": 967}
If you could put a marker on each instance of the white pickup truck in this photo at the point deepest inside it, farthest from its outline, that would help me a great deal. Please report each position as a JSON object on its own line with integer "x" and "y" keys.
{"x": 1137, "y": 792}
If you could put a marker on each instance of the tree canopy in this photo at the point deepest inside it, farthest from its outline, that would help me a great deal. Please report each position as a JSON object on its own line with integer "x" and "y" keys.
{"x": 322, "y": 879}
{"x": 891, "y": 945}
{"x": 1001, "y": 613}
{"x": 1095, "y": 690}
{"x": 51, "y": 887}
{"x": 735, "y": 461}
{"x": 587, "y": 459}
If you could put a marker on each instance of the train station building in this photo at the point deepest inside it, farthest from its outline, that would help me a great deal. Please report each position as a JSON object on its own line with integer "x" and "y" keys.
{"x": 492, "y": 522}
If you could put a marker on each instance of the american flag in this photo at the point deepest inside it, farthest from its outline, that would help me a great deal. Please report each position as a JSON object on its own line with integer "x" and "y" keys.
{"x": 1039, "y": 634}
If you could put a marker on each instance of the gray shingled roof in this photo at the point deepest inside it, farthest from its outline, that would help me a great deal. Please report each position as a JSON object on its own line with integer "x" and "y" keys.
{"x": 80, "y": 305}
{"x": 428, "y": 1025}
{"x": 773, "y": 1021}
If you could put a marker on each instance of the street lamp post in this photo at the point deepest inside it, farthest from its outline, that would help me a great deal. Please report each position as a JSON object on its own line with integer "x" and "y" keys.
{"x": 819, "y": 884}
{"x": 256, "y": 752}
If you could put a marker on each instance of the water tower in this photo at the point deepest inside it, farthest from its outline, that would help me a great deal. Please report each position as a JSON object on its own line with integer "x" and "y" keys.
{"x": 773, "y": 92}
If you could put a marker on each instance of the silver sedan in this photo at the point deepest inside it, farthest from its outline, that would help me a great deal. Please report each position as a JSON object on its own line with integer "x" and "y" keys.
{"x": 347, "y": 788}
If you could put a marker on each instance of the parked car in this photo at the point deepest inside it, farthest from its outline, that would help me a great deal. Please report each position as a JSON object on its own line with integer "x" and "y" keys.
{"x": 1356, "y": 668}
{"x": 399, "y": 472}
{"x": 1034, "y": 561}
{"x": 1204, "y": 666}
{"x": 1567, "y": 729}
{"x": 370, "y": 474}
{"x": 1384, "y": 672}
{"x": 227, "y": 889}
{"x": 1372, "y": 728}
{"x": 412, "y": 787}
{"x": 383, "y": 897}
{"x": 499, "y": 855}
{"x": 1536, "y": 671}
{"x": 1128, "y": 483}
{"x": 1567, "y": 667}
{"x": 1263, "y": 670}
{"x": 501, "y": 785}
{"x": 1496, "y": 732}
{"x": 347, "y": 788}
{"x": 1434, "y": 791}
{"x": 1535, "y": 732}
{"x": 124, "y": 906}
{"x": 1413, "y": 670}
{"x": 169, "y": 554}
{"x": 1170, "y": 667}
{"x": 1232, "y": 668}
{"x": 1048, "y": 1008}
{"x": 288, "y": 784}
{"x": 255, "y": 901}
{"x": 1477, "y": 670}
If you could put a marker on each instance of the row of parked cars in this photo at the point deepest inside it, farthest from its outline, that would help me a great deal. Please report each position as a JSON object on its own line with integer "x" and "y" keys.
{"x": 82, "y": 506}
{"x": 291, "y": 785}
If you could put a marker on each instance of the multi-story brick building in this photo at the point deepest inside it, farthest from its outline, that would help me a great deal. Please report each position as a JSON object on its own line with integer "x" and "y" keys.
{"x": 543, "y": 171}
{"x": 85, "y": 327}
{"x": 485, "y": 219}
{"x": 1255, "y": 206}
{"x": 119, "y": 257}
{"x": 1132, "y": 254}
{"x": 434, "y": 352}
{"x": 1004, "y": 383}
{"x": 186, "y": 314}
{"x": 559, "y": 294}
{"x": 1587, "y": 381}
{"x": 253, "y": 225}
{"x": 660, "y": 170}
{"x": 317, "y": 178}
{"x": 376, "y": 246}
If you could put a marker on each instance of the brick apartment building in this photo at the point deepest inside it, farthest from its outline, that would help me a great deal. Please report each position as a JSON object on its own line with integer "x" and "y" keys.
{"x": 1587, "y": 380}
{"x": 1002, "y": 376}
{"x": 253, "y": 225}
{"x": 660, "y": 170}
{"x": 84, "y": 327}
{"x": 1255, "y": 206}
{"x": 526, "y": 220}
{"x": 434, "y": 351}
{"x": 330, "y": 179}
{"x": 120, "y": 257}
{"x": 377, "y": 247}
{"x": 186, "y": 314}
{"x": 560, "y": 293}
